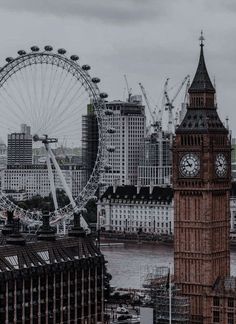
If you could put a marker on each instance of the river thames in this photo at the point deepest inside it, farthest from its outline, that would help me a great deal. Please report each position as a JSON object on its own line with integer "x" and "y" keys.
{"x": 129, "y": 264}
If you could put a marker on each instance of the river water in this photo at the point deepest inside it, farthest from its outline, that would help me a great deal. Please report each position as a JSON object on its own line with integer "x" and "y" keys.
{"x": 129, "y": 265}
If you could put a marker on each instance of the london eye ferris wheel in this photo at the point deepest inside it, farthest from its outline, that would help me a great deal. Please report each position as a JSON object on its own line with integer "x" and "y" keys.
{"x": 49, "y": 91}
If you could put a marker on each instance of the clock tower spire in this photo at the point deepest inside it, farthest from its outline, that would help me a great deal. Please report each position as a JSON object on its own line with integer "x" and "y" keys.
{"x": 201, "y": 183}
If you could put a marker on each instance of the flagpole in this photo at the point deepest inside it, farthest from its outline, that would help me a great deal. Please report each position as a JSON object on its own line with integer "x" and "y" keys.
{"x": 170, "y": 315}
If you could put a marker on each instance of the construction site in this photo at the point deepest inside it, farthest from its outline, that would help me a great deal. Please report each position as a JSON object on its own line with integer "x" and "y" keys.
{"x": 168, "y": 305}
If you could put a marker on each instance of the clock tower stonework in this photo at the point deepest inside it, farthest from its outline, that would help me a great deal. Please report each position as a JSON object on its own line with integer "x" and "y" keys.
{"x": 201, "y": 183}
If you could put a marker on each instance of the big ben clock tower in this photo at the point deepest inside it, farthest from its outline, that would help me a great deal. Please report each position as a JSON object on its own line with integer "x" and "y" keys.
{"x": 201, "y": 182}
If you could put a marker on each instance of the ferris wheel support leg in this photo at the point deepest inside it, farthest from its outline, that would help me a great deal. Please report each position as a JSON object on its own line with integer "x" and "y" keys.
{"x": 66, "y": 187}
{"x": 51, "y": 179}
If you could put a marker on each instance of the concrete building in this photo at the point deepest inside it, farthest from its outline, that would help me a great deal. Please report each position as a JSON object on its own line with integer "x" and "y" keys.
{"x": 127, "y": 125}
{"x": 35, "y": 181}
{"x": 19, "y": 147}
{"x": 89, "y": 140}
{"x": 131, "y": 209}
{"x": 50, "y": 279}
{"x": 155, "y": 160}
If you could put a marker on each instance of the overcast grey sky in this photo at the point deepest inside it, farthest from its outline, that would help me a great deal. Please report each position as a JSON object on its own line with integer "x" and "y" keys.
{"x": 148, "y": 40}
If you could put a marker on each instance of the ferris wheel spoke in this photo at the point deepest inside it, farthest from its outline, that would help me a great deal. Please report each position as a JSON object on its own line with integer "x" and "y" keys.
{"x": 19, "y": 89}
{"x": 8, "y": 111}
{"x": 12, "y": 101}
{"x": 28, "y": 89}
{"x": 61, "y": 110}
{"x": 64, "y": 93}
{"x": 41, "y": 92}
{"x": 28, "y": 78}
{"x": 57, "y": 87}
{"x": 59, "y": 121}
{"x": 53, "y": 120}
{"x": 54, "y": 108}
{"x": 34, "y": 87}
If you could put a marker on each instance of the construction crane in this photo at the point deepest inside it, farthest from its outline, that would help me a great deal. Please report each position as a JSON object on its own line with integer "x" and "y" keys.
{"x": 129, "y": 90}
{"x": 169, "y": 102}
{"x": 180, "y": 113}
{"x": 156, "y": 116}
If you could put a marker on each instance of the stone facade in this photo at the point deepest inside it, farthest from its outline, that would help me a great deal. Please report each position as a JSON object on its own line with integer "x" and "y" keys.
{"x": 201, "y": 182}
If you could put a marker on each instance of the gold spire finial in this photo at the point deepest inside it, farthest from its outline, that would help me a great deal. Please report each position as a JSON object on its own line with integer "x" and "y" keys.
{"x": 201, "y": 39}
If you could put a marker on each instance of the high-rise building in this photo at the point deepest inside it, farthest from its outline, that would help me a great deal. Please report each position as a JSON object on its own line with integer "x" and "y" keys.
{"x": 19, "y": 147}
{"x": 127, "y": 124}
{"x": 89, "y": 140}
{"x": 155, "y": 161}
{"x": 201, "y": 182}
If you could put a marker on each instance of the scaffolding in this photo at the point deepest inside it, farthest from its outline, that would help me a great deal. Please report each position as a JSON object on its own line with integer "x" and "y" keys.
{"x": 162, "y": 291}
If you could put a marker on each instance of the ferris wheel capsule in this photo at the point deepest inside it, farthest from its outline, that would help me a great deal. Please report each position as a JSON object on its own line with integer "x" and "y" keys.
{"x": 96, "y": 80}
{"x": 9, "y": 59}
{"x": 111, "y": 130}
{"x": 61, "y": 51}
{"x": 86, "y": 67}
{"x": 34, "y": 48}
{"x": 21, "y": 52}
{"x": 111, "y": 149}
{"x": 107, "y": 167}
{"x": 74, "y": 57}
{"x": 102, "y": 183}
{"x": 103, "y": 95}
{"x": 48, "y": 48}
{"x": 108, "y": 112}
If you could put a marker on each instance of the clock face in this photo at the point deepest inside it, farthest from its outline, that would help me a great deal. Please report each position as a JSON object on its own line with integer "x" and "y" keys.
{"x": 221, "y": 165}
{"x": 190, "y": 165}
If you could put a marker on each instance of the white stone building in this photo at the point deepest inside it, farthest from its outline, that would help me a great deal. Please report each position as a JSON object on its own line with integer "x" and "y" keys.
{"x": 34, "y": 180}
{"x": 124, "y": 209}
{"x": 129, "y": 209}
{"x": 127, "y": 125}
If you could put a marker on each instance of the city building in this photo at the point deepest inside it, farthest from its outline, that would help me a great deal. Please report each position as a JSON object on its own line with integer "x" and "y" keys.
{"x": 155, "y": 160}
{"x": 134, "y": 209}
{"x": 201, "y": 183}
{"x": 16, "y": 195}
{"x": 34, "y": 179}
{"x": 50, "y": 279}
{"x": 233, "y": 159}
{"x": 126, "y": 130}
{"x": 3, "y": 154}
{"x": 19, "y": 147}
{"x": 89, "y": 140}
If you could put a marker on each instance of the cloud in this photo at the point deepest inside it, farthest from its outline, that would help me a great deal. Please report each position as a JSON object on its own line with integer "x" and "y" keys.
{"x": 114, "y": 11}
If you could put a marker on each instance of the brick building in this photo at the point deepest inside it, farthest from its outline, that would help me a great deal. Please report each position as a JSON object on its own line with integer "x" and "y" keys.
{"x": 50, "y": 280}
{"x": 202, "y": 182}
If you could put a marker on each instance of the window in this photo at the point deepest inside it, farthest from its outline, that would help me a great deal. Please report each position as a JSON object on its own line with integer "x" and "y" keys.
{"x": 216, "y": 301}
{"x": 230, "y": 318}
{"x": 230, "y": 302}
{"x": 216, "y": 317}
{"x": 13, "y": 260}
{"x": 44, "y": 255}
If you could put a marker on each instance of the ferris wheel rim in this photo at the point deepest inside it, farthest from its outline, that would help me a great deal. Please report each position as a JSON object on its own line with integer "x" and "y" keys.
{"x": 90, "y": 84}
